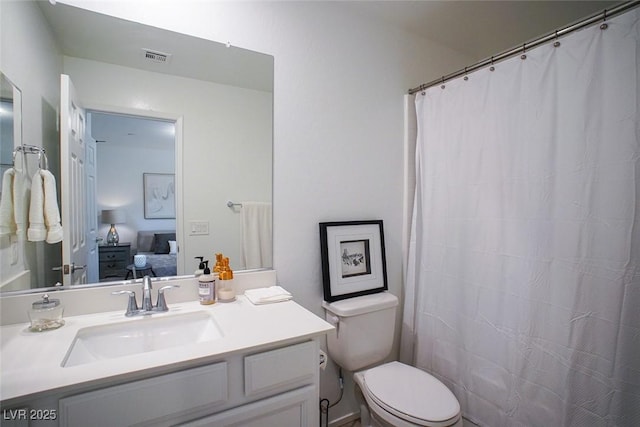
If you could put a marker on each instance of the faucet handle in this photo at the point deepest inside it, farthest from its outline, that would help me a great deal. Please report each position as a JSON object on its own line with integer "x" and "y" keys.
{"x": 132, "y": 305}
{"x": 162, "y": 303}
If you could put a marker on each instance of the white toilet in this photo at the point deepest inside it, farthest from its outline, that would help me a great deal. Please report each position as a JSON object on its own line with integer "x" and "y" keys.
{"x": 396, "y": 394}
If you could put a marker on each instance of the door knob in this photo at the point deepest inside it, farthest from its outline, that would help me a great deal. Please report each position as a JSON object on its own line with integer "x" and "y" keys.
{"x": 74, "y": 268}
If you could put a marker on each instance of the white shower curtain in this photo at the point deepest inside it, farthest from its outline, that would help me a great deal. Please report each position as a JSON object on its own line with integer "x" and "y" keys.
{"x": 523, "y": 280}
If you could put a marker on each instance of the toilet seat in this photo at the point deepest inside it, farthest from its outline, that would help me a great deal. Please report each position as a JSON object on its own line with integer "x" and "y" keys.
{"x": 411, "y": 394}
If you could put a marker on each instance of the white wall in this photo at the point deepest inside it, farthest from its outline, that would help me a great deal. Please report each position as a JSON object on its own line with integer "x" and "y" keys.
{"x": 224, "y": 158}
{"x": 30, "y": 59}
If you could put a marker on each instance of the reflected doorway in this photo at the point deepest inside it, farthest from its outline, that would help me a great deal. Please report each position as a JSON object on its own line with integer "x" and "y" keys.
{"x": 128, "y": 147}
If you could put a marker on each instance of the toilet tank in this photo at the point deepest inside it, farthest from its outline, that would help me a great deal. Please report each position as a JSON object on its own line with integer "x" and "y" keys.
{"x": 364, "y": 329}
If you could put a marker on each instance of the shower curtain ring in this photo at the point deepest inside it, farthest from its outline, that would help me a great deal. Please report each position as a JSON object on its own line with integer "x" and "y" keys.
{"x": 442, "y": 87}
{"x": 492, "y": 68}
{"x": 604, "y": 25}
{"x": 524, "y": 51}
{"x": 556, "y": 43}
{"x": 465, "y": 78}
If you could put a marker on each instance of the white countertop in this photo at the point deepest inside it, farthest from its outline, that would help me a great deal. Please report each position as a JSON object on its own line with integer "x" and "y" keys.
{"x": 31, "y": 363}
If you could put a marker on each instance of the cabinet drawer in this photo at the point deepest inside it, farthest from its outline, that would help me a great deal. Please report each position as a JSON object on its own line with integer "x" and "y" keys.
{"x": 114, "y": 255}
{"x": 290, "y": 409}
{"x": 147, "y": 400}
{"x": 112, "y": 269}
{"x": 280, "y": 369}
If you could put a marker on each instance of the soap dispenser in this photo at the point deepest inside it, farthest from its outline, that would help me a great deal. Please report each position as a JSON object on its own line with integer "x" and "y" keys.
{"x": 218, "y": 267}
{"x": 207, "y": 286}
{"x": 201, "y": 266}
{"x": 226, "y": 292}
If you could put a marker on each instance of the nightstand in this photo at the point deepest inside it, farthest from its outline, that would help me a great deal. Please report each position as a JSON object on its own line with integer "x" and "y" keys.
{"x": 114, "y": 260}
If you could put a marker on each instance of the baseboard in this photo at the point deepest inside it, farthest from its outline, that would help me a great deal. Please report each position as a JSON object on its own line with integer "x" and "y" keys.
{"x": 468, "y": 423}
{"x": 345, "y": 419}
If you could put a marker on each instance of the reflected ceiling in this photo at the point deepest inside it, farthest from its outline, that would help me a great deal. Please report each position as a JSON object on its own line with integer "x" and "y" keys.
{"x": 123, "y": 131}
{"x": 115, "y": 41}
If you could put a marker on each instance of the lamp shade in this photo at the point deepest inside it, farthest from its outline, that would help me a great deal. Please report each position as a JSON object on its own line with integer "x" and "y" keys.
{"x": 114, "y": 216}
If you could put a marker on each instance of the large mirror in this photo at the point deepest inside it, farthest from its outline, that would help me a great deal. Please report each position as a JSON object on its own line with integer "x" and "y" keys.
{"x": 178, "y": 136}
{"x": 10, "y": 159}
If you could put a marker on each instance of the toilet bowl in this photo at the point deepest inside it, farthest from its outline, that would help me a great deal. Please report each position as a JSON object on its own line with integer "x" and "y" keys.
{"x": 390, "y": 394}
{"x": 400, "y": 395}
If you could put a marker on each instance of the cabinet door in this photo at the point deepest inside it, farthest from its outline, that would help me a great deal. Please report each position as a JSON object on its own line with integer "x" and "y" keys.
{"x": 282, "y": 369}
{"x": 147, "y": 401}
{"x": 294, "y": 408}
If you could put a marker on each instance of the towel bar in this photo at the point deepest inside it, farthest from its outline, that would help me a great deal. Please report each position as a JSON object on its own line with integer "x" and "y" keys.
{"x": 32, "y": 149}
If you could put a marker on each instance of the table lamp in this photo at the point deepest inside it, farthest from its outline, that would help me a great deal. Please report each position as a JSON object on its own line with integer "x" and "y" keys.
{"x": 113, "y": 217}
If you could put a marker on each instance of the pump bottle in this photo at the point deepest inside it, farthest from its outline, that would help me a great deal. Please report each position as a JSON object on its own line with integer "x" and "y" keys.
{"x": 207, "y": 287}
{"x": 226, "y": 293}
{"x": 201, "y": 266}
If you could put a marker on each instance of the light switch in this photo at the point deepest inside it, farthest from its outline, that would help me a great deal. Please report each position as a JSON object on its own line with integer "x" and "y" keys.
{"x": 198, "y": 228}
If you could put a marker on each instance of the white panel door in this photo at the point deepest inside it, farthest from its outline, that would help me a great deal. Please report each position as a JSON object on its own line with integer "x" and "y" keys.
{"x": 73, "y": 189}
{"x": 91, "y": 207}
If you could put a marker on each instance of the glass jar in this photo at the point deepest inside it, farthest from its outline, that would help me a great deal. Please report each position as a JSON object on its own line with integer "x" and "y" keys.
{"x": 46, "y": 314}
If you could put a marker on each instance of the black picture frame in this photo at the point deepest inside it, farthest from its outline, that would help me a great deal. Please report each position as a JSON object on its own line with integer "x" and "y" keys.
{"x": 353, "y": 259}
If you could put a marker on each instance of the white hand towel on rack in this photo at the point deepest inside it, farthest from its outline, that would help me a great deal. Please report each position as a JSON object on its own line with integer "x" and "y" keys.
{"x": 51, "y": 210}
{"x": 44, "y": 214}
{"x": 8, "y": 223}
{"x": 256, "y": 235}
{"x": 37, "y": 231}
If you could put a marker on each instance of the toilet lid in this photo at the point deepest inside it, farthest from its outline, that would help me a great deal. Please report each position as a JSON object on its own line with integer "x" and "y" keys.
{"x": 407, "y": 391}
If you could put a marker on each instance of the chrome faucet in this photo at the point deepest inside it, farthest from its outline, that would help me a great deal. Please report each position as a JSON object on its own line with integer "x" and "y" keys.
{"x": 147, "y": 304}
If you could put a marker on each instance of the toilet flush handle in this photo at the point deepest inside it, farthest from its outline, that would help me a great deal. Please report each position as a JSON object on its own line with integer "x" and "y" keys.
{"x": 335, "y": 321}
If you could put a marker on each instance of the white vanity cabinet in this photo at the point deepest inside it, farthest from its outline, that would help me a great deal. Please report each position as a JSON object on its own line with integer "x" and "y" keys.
{"x": 273, "y": 386}
{"x": 261, "y": 370}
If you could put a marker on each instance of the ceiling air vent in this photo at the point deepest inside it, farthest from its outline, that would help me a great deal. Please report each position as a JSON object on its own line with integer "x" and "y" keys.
{"x": 155, "y": 56}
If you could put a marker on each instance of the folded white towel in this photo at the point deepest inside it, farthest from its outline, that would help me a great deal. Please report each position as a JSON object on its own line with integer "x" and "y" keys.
{"x": 51, "y": 210}
{"x": 44, "y": 214}
{"x": 12, "y": 203}
{"x": 7, "y": 215}
{"x": 267, "y": 295}
{"x": 19, "y": 201}
{"x": 37, "y": 231}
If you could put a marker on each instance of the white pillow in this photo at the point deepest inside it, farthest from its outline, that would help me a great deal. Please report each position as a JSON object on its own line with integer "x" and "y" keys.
{"x": 173, "y": 247}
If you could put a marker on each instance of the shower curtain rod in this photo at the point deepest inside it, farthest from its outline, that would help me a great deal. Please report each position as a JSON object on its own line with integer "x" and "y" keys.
{"x": 601, "y": 16}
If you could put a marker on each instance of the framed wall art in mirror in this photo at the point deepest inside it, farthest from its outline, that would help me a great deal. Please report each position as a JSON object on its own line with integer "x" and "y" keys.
{"x": 159, "y": 195}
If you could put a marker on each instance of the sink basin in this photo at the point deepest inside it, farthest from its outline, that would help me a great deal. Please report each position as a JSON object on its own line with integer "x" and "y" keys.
{"x": 140, "y": 335}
